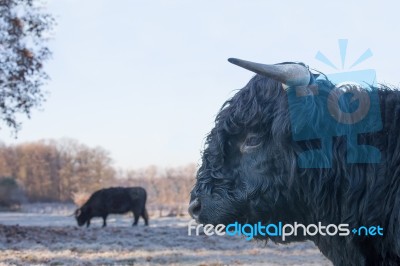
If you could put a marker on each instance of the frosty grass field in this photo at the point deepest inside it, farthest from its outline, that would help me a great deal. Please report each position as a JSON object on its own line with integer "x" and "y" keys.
{"x": 44, "y": 234}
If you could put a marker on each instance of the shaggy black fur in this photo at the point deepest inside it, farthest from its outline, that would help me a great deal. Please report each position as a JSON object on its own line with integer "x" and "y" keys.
{"x": 249, "y": 173}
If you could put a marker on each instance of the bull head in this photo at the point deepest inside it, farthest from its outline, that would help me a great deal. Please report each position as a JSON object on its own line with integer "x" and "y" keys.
{"x": 289, "y": 74}
{"x": 244, "y": 165}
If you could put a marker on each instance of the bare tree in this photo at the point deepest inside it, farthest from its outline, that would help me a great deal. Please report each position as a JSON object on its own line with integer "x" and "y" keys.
{"x": 168, "y": 189}
{"x": 24, "y": 31}
{"x": 52, "y": 171}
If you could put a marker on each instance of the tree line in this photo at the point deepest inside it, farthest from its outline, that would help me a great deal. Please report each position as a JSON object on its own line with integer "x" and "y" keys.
{"x": 66, "y": 170}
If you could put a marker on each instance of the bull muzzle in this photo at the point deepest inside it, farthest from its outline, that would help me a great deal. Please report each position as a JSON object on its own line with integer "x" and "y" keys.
{"x": 195, "y": 208}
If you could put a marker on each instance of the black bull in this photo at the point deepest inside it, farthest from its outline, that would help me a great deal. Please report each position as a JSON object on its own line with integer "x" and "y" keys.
{"x": 116, "y": 200}
{"x": 250, "y": 172}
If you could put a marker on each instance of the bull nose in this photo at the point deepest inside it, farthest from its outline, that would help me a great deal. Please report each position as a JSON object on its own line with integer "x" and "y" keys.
{"x": 194, "y": 208}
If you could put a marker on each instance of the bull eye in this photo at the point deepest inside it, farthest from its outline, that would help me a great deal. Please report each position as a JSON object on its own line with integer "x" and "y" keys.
{"x": 251, "y": 143}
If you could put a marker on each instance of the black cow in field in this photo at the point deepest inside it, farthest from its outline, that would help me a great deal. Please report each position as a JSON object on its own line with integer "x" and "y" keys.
{"x": 115, "y": 200}
{"x": 250, "y": 166}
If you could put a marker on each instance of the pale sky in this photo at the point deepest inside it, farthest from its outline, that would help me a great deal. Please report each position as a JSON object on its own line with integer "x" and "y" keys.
{"x": 145, "y": 79}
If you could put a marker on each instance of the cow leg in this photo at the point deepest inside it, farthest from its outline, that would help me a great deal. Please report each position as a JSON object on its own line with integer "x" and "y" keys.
{"x": 104, "y": 220}
{"x": 136, "y": 218}
{"x": 88, "y": 223}
{"x": 145, "y": 216}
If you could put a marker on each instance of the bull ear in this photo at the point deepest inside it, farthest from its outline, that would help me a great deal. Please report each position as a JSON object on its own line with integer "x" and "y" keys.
{"x": 289, "y": 74}
{"x": 78, "y": 212}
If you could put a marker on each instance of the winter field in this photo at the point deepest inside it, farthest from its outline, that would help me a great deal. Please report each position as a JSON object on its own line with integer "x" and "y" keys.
{"x": 44, "y": 234}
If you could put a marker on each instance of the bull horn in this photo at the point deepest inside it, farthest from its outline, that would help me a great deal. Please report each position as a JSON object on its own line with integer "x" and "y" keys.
{"x": 77, "y": 212}
{"x": 288, "y": 74}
